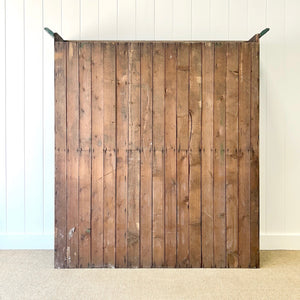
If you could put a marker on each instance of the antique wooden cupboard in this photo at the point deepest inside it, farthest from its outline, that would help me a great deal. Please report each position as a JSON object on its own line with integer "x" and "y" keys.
{"x": 156, "y": 154}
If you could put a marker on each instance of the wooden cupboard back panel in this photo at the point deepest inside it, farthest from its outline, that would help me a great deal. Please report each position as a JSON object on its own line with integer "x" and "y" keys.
{"x": 156, "y": 153}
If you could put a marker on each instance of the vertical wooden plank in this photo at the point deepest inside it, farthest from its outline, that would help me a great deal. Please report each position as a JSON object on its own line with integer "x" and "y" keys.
{"x": 3, "y": 185}
{"x": 60, "y": 155}
{"x": 254, "y": 156}
{"x": 195, "y": 102}
{"x": 182, "y": 21}
{"x": 52, "y": 15}
{"x": 219, "y": 153}
{"x": 163, "y": 22}
{"x": 72, "y": 154}
{"x": 219, "y": 19}
{"x": 97, "y": 156}
{"x": 183, "y": 52}
{"x": 207, "y": 153}
{"x": 126, "y": 19}
{"x": 88, "y": 19}
{"x": 238, "y": 19}
{"x": 200, "y": 20}
{"x": 15, "y": 88}
{"x": 256, "y": 15}
{"x": 291, "y": 120}
{"x": 146, "y": 155}
{"x": 277, "y": 156}
{"x": 232, "y": 230}
{"x": 257, "y": 20}
{"x": 51, "y": 19}
{"x": 109, "y": 148}
{"x": 122, "y": 144}
{"x": 133, "y": 196}
{"x": 70, "y": 10}
{"x": 85, "y": 153}
{"x": 170, "y": 155}
{"x": 108, "y": 19}
{"x": 144, "y": 23}
{"x": 158, "y": 154}
{"x": 33, "y": 126}
{"x": 244, "y": 154}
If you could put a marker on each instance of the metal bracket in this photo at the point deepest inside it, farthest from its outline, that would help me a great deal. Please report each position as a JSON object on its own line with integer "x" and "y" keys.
{"x": 264, "y": 32}
{"x": 257, "y": 36}
{"x": 56, "y": 36}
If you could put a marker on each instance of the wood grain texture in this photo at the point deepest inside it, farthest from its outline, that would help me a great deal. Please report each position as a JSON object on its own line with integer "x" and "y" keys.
{"x": 157, "y": 154}
{"x": 183, "y": 68}
{"x": 195, "y": 102}
{"x": 232, "y": 108}
{"x": 109, "y": 148}
{"x": 207, "y": 155}
{"x": 170, "y": 154}
{"x": 122, "y": 144}
{"x": 134, "y": 144}
{"x": 219, "y": 154}
{"x": 72, "y": 154}
{"x": 254, "y": 157}
{"x": 85, "y": 137}
{"x": 60, "y": 247}
{"x": 97, "y": 156}
{"x": 146, "y": 156}
{"x": 244, "y": 154}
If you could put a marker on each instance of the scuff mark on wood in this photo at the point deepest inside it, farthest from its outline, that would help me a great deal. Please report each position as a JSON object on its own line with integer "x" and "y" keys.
{"x": 71, "y": 232}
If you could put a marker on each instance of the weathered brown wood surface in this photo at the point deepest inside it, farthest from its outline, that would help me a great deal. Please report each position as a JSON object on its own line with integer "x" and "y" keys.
{"x": 85, "y": 166}
{"x": 157, "y": 154}
{"x": 207, "y": 187}
{"x": 72, "y": 154}
{"x": 60, "y": 246}
{"x": 122, "y": 145}
{"x": 232, "y": 110}
{"x": 97, "y": 156}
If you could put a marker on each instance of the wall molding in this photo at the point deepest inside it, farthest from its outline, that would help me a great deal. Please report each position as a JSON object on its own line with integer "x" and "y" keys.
{"x": 33, "y": 241}
{"x": 280, "y": 241}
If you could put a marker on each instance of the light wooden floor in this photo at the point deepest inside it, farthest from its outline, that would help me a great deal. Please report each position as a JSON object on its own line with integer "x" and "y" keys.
{"x": 30, "y": 275}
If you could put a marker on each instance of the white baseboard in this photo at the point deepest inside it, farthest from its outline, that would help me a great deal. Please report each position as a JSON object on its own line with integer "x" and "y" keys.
{"x": 26, "y": 241}
{"x": 46, "y": 241}
{"x": 284, "y": 241}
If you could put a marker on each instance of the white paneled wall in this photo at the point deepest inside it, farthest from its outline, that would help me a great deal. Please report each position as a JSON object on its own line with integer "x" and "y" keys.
{"x": 27, "y": 97}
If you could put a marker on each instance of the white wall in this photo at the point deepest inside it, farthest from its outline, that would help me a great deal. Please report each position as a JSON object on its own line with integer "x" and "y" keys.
{"x": 27, "y": 106}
